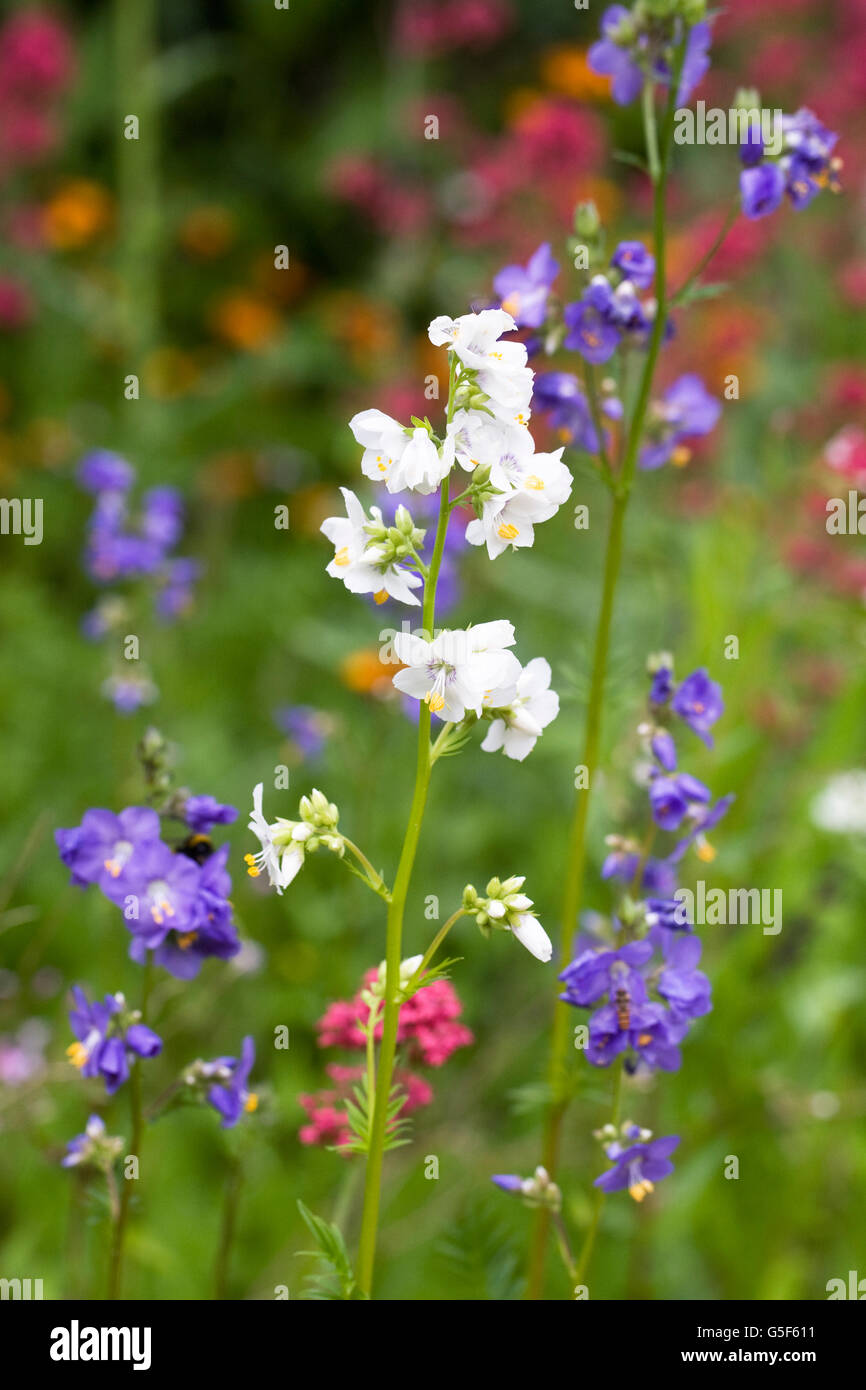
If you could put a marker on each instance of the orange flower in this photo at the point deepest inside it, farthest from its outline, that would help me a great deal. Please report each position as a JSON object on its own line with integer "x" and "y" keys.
{"x": 363, "y": 672}
{"x": 207, "y": 231}
{"x": 564, "y": 69}
{"x": 77, "y": 213}
{"x": 245, "y": 320}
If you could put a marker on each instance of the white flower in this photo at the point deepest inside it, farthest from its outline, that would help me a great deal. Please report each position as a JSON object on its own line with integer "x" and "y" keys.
{"x": 359, "y": 563}
{"x": 531, "y": 497}
{"x": 397, "y": 457}
{"x": 501, "y": 370}
{"x": 840, "y": 806}
{"x": 283, "y": 844}
{"x": 453, "y": 673}
{"x": 525, "y": 710}
{"x": 481, "y": 440}
{"x": 531, "y": 934}
{"x": 506, "y": 908}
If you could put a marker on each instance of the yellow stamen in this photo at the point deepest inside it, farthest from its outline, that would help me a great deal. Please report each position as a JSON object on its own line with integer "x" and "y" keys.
{"x": 434, "y": 700}
{"x": 645, "y": 1039}
{"x": 536, "y": 483}
{"x": 342, "y": 556}
{"x": 381, "y": 596}
{"x": 252, "y": 868}
{"x": 185, "y": 939}
{"x": 639, "y": 1190}
{"x": 112, "y": 866}
{"x": 251, "y": 1103}
{"x": 681, "y": 456}
{"x": 705, "y": 852}
{"x": 77, "y": 1054}
{"x": 511, "y": 305}
{"x": 508, "y": 531}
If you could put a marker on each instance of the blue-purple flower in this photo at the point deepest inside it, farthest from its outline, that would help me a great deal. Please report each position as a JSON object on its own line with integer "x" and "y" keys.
{"x": 107, "y": 1035}
{"x": 762, "y": 189}
{"x": 229, "y": 1095}
{"x": 698, "y": 702}
{"x": 657, "y": 876}
{"x": 685, "y": 411}
{"x": 559, "y": 394}
{"x": 602, "y": 318}
{"x": 523, "y": 290}
{"x": 645, "y": 1028}
{"x": 97, "y": 850}
{"x": 202, "y": 813}
{"x": 598, "y": 971}
{"x": 93, "y": 1146}
{"x": 635, "y": 263}
{"x": 685, "y": 988}
{"x": 612, "y": 55}
{"x": 639, "y": 1166}
{"x": 673, "y": 797}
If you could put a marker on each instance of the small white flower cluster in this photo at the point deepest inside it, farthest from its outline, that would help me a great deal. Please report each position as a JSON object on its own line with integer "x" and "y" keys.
{"x": 286, "y": 843}
{"x": 505, "y": 908}
{"x": 460, "y": 674}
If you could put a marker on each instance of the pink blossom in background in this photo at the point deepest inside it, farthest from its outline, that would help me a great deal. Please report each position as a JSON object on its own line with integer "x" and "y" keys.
{"x": 426, "y": 28}
{"x": 36, "y": 55}
{"x": 16, "y": 306}
{"x": 427, "y": 1023}
{"x": 327, "y": 1124}
{"x": 846, "y": 454}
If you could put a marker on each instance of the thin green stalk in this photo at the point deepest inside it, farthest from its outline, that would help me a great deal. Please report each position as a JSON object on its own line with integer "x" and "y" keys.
{"x": 394, "y": 929}
{"x": 598, "y": 1204}
{"x": 231, "y": 1200}
{"x": 733, "y": 214}
{"x": 576, "y": 853}
{"x": 370, "y": 876}
{"x": 115, "y": 1277}
{"x": 437, "y": 941}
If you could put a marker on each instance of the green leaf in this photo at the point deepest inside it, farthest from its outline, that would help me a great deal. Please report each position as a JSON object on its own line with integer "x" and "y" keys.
{"x": 337, "y": 1281}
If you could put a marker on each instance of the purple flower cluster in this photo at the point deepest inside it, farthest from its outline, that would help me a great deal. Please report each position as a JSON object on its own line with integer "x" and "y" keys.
{"x": 638, "y": 1165}
{"x": 106, "y": 1035}
{"x": 637, "y": 46}
{"x": 646, "y": 982}
{"x": 124, "y": 548}
{"x": 685, "y": 411}
{"x": 174, "y": 898}
{"x": 805, "y": 165}
{"x": 605, "y": 317}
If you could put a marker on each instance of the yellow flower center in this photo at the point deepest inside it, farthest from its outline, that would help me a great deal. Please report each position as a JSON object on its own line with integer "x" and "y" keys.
{"x": 508, "y": 531}
{"x": 77, "y": 1054}
{"x": 342, "y": 556}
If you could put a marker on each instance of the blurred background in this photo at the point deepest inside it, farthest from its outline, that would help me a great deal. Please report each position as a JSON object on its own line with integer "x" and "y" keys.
{"x": 155, "y": 259}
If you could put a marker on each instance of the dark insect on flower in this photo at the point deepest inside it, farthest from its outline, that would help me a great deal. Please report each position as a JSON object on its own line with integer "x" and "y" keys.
{"x": 198, "y": 848}
{"x": 622, "y": 1004}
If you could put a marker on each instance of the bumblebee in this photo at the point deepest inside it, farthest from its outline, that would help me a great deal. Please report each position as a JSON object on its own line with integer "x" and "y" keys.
{"x": 199, "y": 848}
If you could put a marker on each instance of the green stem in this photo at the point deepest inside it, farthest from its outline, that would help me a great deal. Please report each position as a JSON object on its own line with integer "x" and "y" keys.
{"x": 234, "y": 1182}
{"x": 733, "y": 214}
{"x": 394, "y": 929}
{"x": 115, "y": 1277}
{"x": 576, "y": 852}
{"x": 370, "y": 875}
{"x": 649, "y": 125}
{"x": 437, "y": 941}
{"x": 598, "y": 1204}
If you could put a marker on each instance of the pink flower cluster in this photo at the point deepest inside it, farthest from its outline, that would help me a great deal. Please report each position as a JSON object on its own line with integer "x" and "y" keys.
{"x": 427, "y": 1023}
{"x": 428, "y": 1031}
{"x": 430, "y": 27}
{"x": 328, "y": 1125}
{"x": 36, "y": 66}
